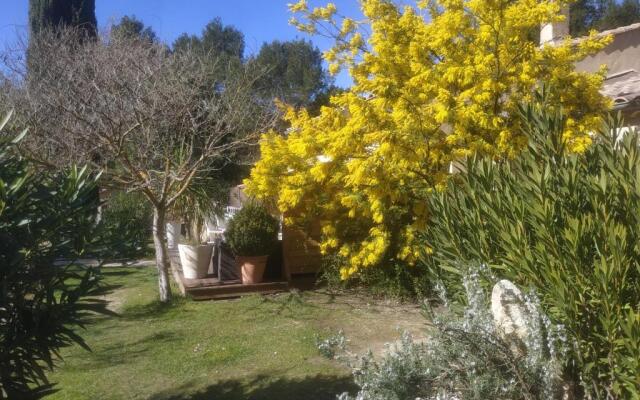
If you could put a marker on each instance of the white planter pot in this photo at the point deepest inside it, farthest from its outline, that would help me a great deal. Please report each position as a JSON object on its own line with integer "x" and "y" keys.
{"x": 195, "y": 260}
{"x": 173, "y": 234}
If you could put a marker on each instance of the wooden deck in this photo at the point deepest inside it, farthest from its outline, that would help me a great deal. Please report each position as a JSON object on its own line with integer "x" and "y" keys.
{"x": 212, "y": 288}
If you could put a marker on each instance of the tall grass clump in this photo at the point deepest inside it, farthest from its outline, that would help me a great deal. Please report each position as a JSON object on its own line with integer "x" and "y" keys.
{"x": 565, "y": 224}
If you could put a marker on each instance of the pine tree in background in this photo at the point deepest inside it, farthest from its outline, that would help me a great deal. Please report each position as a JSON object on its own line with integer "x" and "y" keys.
{"x": 583, "y": 16}
{"x": 625, "y": 13}
{"x": 602, "y": 15}
{"x": 222, "y": 44}
{"x": 216, "y": 39}
{"x": 45, "y": 14}
{"x": 131, "y": 27}
{"x": 293, "y": 71}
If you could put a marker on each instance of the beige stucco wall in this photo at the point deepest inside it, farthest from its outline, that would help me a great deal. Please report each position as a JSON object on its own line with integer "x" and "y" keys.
{"x": 632, "y": 117}
{"x": 621, "y": 55}
{"x": 237, "y": 196}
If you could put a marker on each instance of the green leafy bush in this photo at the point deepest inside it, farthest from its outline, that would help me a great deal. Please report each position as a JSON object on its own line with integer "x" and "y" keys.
{"x": 565, "y": 224}
{"x": 394, "y": 279}
{"x": 45, "y": 219}
{"x": 125, "y": 228}
{"x": 252, "y": 231}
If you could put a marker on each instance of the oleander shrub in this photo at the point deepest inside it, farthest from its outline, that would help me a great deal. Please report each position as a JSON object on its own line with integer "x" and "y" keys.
{"x": 465, "y": 357}
{"x": 46, "y": 221}
{"x": 252, "y": 231}
{"x": 125, "y": 226}
{"x": 565, "y": 224}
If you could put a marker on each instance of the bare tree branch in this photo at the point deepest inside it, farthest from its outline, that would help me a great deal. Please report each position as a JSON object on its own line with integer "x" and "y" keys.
{"x": 153, "y": 120}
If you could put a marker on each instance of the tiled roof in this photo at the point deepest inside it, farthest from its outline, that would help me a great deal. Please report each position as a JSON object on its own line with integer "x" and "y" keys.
{"x": 621, "y": 29}
{"x": 612, "y": 32}
{"x": 623, "y": 88}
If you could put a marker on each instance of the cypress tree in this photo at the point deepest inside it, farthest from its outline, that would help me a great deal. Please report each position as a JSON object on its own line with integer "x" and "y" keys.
{"x": 50, "y": 14}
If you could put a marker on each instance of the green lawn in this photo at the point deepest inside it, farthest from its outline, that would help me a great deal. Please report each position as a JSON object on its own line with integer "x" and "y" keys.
{"x": 250, "y": 348}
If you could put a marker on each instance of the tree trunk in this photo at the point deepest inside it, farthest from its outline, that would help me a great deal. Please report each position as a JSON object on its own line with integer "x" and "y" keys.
{"x": 162, "y": 254}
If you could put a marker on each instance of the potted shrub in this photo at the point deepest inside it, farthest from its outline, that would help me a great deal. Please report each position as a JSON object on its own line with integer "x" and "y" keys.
{"x": 195, "y": 258}
{"x": 252, "y": 234}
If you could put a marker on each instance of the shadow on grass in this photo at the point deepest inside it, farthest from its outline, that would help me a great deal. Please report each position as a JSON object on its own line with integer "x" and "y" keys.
{"x": 290, "y": 302}
{"x": 123, "y": 353}
{"x": 354, "y": 299}
{"x": 117, "y": 272}
{"x": 107, "y": 289}
{"x": 153, "y": 309}
{"x": 107, "y": 277}
{"x": 263, "y": 387}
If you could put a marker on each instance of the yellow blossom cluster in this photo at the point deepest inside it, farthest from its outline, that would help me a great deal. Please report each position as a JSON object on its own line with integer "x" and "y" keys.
{"x": 433, "y": 83}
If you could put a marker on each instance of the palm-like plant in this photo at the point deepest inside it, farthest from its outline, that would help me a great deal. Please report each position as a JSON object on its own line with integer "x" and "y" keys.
{"x": 204, "y": 199}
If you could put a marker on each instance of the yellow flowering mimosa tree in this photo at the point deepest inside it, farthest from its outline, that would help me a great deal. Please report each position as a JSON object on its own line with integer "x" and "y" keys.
{"x": 432, "y": 84}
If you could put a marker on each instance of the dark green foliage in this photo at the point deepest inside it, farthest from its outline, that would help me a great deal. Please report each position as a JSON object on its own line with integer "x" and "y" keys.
{"x": 222, "y": 46}
{"x": 602, "y": 14}
{"x": 186, "y": 42}
{"x": 252, "y": 231}
{"x": 217, "y": 39}
{"x": 626, "y": 12}
{"x": 583, "y": 16}
{"x": 131, "y": 27}
{"x": 394, "y": 279}
{"x": 329, "y": 274}
{"x": 125, "y": 227}
{"x": 45, "y": 219}
{"x": 323, "y": 98}
{"x": 51, "y": 14}
{"x": 293, "y": 72}
{"x": 567, "y": 225}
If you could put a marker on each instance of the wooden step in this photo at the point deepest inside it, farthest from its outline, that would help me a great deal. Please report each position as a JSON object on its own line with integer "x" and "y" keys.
{"x": 210, "y": 287}
{"x": 225, "y": 291}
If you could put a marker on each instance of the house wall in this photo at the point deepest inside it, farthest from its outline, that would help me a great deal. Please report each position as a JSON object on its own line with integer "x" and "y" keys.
{"x": 632, "y": 117}
{"x": 237, "y": 196}
{"x": 622, "y": 54}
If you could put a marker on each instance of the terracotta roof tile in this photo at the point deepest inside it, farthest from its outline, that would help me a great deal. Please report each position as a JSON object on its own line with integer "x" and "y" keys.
{"x": 623, "y": 87}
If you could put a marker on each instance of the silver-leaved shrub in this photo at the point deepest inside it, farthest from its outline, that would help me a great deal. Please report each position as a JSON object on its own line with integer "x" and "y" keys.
{"x": 466, "y": 357}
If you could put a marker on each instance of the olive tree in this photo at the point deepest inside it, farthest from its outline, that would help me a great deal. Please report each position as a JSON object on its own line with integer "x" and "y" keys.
{"x": 153, "y": 120}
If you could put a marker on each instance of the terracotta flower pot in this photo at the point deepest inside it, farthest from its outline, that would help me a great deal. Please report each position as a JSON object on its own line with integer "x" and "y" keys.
{"x": 252, "y": 268}
{"x": 195, "y": 260}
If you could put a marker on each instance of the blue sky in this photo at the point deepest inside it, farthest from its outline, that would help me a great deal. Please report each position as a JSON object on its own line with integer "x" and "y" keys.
{"x": 260, "y": 20}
